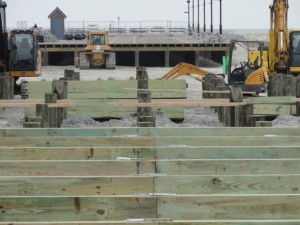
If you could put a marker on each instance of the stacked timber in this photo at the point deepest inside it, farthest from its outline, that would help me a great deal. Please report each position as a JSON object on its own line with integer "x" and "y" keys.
{"x": 157, "y": 176}
{"x": 94, "y": 98}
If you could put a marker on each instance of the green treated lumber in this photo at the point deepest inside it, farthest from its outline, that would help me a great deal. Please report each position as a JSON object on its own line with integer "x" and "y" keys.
{"x": 74, "y": 186}
{"x": 229, "y": 167}
{"x": 63, "y": 209}
{"x": 112, "y": 89}
{"x": 230, "y": 152}
{"x": 287, "y": 100}
{"x": 228, "y": 185}
{"x": 274, "y": 109}
{"x": 105, "y": 110}
{"x": 177, "y": 222}
{"x": 230, "y": 207}
{"x": 76, "y": 153}
{"x": 140, "y": 141}
{"x": 78, "y": 141}
{"x": 133, "y": 131}
{"x": 160, "y": 153}
{"x": 227, "y": 141}
{"x": 75, "y": 168}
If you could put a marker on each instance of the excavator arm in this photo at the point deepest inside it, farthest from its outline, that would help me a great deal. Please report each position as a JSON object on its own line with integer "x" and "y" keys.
{"x": 185, "y": 69}
{"x": 278, "y": 37}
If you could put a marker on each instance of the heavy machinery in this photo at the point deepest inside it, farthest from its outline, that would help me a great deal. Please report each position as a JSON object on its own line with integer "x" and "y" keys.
{"x": 97, "y": 53}
{"x": 19, "y": 55}
{"x": 185, "y": 69}
{"x": 246, "y": 66}
{"x": 283, "y": 55}
{"x": 251, "y": 76}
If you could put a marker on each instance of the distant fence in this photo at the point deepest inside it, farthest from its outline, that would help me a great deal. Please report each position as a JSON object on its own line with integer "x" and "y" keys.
{"x": 75, "y": 27}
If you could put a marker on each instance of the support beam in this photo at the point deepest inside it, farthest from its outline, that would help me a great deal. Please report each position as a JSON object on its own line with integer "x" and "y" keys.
{"x": 136, "y": 58}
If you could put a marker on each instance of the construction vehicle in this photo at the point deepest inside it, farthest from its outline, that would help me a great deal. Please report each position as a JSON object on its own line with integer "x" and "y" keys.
{"x": 185, "y": 69}
{"x": 19, "y": 55}
{"x": 246, "y": 66}
{"x": 97, "y": 53}
{"x": 283, "y": 55}
{"x": 251, "y": 76}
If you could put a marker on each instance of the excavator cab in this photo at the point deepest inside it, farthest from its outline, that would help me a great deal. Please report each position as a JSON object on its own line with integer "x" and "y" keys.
{"x": 24, "y": 55}
{"x": 294, "y": 52}
{"x": 245, "y": 67}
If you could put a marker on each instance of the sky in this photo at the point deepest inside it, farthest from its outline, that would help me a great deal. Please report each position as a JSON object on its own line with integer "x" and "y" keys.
{"x": 237, "y": 14}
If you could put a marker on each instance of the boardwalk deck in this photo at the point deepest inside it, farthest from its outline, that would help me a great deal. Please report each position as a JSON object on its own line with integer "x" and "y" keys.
{"x": 157, "y": 176}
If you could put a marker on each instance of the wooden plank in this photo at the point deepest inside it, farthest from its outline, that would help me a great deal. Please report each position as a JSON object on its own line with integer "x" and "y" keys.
{"x": 178, "y": 222}
{"x": 227, "y": 141}
{"x": 283, "y": 100}
{"x": 133, "y": 131}
{"x": 274, "y": 109}
{"x": 99, "y": 153}
{"x": 148, "y": 141}
{"x": 32, "y": 103}
{"x": 36, "y": 209}
{"x": 75, "y": 168}
{"x": 75, "y": 153}
{"x": 78, "y": 141}
{"x": 105, "y": 110}
{"x": 283, "y": 207}
{"x": 111, "y": 89}
{"x": 177, "y": 102}
{"x": 229, "y": 167}
{"x": 74, "y": 186}
{"x": 228, "y": 185}
{"x": 225, "y": 152}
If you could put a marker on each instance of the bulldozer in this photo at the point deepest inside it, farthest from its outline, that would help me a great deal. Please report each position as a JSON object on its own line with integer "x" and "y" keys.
{"x": 19, "y": 54}
{"x": 97, "y": 53}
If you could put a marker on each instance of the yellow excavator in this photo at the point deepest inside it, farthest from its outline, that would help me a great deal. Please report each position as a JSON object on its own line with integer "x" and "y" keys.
{"x": 97, "y": 53}
{"x": 246, "y": 66}
{"x": 185, "y": 69}
{"x": 283, "y": 54}
{"x": 19, "y": 54}
{"x": 251, "y": 76}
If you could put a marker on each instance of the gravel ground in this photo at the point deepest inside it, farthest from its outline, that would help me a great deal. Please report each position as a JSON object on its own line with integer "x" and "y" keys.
{"x": 194, "y": 117}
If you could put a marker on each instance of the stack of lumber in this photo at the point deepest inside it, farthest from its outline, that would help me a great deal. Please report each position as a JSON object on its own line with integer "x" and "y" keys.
{"x": 157, "y": 176}
{"x": 93, "y": 98}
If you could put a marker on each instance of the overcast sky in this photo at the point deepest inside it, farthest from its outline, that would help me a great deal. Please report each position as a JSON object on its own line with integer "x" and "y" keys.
{"x": 237, "y": 14}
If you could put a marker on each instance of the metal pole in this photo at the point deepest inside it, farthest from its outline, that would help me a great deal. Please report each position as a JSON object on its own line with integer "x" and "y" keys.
{"x": 211, "y": 17}
{"x": 189, "y": 24}
{"x": 193, "y": 14}
{"x": 221, "y": 29}
{"x": 204, "y": 13}
{"x": 198, "y": 25}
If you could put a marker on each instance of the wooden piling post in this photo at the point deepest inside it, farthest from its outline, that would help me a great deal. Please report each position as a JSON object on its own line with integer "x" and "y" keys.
{"x": 53, "y": 118}
{"x": 221, "y": 110}
{"x": 236, "y": 115}
{"x": 145, "y": 116}
{"x": 282, "y": 85}
{"x": 42, "y": 110}
{"x": 6, "y": 86}
{"x": 60, "y": 87}
{"x": 211, "y": 82}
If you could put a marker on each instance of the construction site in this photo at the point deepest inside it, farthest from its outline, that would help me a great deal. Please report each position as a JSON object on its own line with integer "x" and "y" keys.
{"x": 158, "y": 124}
